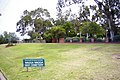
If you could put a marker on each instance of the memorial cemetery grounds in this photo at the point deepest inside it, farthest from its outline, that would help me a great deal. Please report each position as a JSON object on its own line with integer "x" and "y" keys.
{"x": 62, "y": 61}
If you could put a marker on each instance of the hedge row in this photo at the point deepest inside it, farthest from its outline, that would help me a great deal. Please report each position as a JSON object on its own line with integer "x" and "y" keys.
{"x": 77, "y": 39}
{"x": 72, "y": 39}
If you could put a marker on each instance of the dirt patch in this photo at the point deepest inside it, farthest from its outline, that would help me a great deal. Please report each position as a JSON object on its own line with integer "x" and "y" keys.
{"x": 96, "y": 49}
{"x": 10, "y": 45}
{"x": 116, "y": 56}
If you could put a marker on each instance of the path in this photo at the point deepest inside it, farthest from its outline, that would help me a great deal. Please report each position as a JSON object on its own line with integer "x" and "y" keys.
{"x": 2, "y": 77}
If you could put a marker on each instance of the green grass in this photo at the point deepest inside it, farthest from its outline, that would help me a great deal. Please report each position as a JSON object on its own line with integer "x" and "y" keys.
{"x": 63, "y": 61}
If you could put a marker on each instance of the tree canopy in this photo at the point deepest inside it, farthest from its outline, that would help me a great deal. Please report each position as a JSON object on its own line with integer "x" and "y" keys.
{"x": 37, "y": 20}
{"x": 55, "y": 32}
{"x": 106, "y": 12}
{"x": 99, "y": 19}
{"x": 92, "y": 28}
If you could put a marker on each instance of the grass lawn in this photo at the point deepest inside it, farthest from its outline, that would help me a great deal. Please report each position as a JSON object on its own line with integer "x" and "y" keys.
{"x": 63, "y": 61}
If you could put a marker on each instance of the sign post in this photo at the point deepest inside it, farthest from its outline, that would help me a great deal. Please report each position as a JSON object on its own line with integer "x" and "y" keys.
{"x": 33, "y": 63}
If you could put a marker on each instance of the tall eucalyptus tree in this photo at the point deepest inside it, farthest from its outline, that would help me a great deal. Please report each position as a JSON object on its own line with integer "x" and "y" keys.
{"x": 36, "y": 21}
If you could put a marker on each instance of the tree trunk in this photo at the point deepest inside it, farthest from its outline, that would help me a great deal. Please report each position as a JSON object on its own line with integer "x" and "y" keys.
{"x": 57, "y": 40}
{"x": 80, "y": 34}
{"x": 87, "y": 36}
{"x": 106, "y": 39}
{"x": 111, "y": 31}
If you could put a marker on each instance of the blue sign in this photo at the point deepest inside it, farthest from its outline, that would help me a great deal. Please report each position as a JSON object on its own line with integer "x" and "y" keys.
{"x": 34, "y": 62}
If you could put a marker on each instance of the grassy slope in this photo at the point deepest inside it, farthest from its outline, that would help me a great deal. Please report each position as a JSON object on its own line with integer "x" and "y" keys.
{"x": 63, "y": 61}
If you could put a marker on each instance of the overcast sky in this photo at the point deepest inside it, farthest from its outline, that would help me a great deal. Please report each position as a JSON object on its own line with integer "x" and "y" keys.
{"x": 11, "y": 11}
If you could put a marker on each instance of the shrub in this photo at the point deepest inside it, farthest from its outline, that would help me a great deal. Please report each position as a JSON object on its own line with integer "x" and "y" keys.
{"x": 72, "y": 33}
{"x": 89, "y": 40}
{"x": 83, "y": 39}
{"x": 68, "y": 39}
{"x": 116, "y": 38}
{"x": 98, "y": 40}
{"x": 75, "y": 39}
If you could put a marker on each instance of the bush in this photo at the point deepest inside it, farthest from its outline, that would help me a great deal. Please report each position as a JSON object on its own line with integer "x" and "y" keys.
{"x": 68, "y": 39}
{"x": 116, "y": 38}
{"x": 72, "y": 33}
{"x": 83, "y": 39}
{"x": 89, "y": 40}
{"x": 75, "y": 39}
{"x": 98, "y": 40}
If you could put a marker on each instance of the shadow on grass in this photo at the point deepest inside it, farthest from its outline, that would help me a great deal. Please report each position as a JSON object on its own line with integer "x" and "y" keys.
{"x": 31, "y": 69}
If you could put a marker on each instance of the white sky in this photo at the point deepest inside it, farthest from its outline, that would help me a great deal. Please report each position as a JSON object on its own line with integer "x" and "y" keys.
{"x": 11, "y": 11}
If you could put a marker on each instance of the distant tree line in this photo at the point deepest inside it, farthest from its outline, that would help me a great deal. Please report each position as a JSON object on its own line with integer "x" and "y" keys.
{"x": 6, "y": 37}
{"x": 104, "y": 22}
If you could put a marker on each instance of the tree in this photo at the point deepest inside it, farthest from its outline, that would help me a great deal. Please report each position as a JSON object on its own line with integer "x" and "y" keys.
{"x": 24, "y": 24}
{"x": 8, "y": 38}
{"x": 64, "y": 3}
{"x": 67, "y": 14}
{"x": 59, "y": 22}
{"x": 60, "y": 19}
{"x": 63, "y": 17}
{"x": 33, "y": 35}
{"x": 109, "y": 9}
{"x": 72, "y": 33}
{"x": 55, "y": 32}
{"x": 1, "y": 39}
{"x": 92, "y": 28}
{"x": 48, "y": 36}
{"x": 13, "y": 37}
{"x": 37, "y": 20}
{"x": 96, "y": 29}
{"x": 84, "y": 13}
{"x": 58, "y": 32}
{"x": 67, "y": 26}
{"x": 76, "y": 24}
